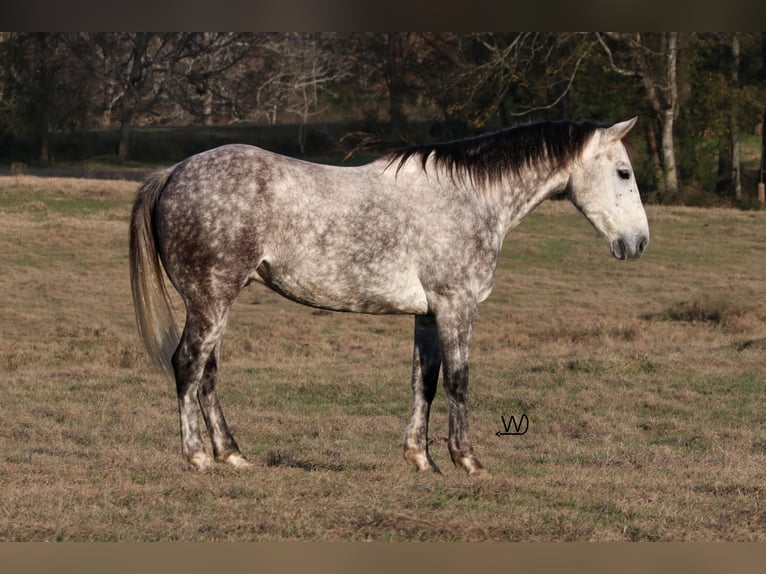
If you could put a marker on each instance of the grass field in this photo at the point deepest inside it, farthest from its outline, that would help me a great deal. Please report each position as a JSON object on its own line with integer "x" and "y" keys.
{"x": 644, "y": 384}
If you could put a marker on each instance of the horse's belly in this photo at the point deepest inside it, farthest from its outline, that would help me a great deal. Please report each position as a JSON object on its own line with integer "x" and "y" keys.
{"x": 393, "y": 293}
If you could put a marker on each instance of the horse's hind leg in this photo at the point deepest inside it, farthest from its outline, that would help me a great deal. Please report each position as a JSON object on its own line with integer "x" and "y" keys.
{"x": 195, "y": 363}
{"x": 225, "y": 448}
{"x": 426, "y": 362}
{"x": 189, "y": 363}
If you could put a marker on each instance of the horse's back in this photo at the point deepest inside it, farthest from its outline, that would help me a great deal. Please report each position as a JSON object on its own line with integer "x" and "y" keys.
{"x": 327, "y": 236}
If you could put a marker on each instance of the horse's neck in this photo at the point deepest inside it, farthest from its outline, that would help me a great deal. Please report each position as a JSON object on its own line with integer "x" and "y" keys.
{"x": 517, "y": 196}
{"x": 508, "y": 201}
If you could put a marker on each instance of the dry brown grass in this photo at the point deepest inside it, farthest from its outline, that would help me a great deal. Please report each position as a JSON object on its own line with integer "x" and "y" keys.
{"x": 643, "y": 383}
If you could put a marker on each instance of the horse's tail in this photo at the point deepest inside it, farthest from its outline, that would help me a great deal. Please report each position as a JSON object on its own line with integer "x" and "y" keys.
{"x": 154, "y": 315}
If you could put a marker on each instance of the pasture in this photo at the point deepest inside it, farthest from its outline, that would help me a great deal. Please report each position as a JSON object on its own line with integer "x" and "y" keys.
{"x": 643, "y": 382}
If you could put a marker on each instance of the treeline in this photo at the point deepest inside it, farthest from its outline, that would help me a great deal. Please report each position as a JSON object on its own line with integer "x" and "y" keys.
{"x": 700, "y": 96}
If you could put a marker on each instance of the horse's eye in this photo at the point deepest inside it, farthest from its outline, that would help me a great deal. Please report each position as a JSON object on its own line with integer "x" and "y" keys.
{"x": 623, "y": 173}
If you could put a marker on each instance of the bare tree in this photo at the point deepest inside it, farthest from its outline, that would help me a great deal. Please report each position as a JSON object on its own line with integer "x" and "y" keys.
{"x": 527, "y": 72}
{"x": 103, "y": 56}
{"x": 399, "y": 49}
{"x": 203, "y": 77}
{"x": 152, "y": 57}
{"x": 296, "y": 70}
{"x": 390, "y": 67}
{"x": 654, "y": 60}
{"x": 132, "y": 70}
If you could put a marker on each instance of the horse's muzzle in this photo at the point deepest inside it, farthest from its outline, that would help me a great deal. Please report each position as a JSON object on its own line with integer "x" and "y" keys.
{"x": 623, "y": 248}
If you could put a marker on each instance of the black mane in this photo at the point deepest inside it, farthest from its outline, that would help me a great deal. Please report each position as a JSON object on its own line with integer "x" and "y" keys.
{"x": 486, "y": 158}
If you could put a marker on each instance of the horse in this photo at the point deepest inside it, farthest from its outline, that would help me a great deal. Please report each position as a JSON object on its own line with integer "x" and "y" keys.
{"x": 417, "y": 231}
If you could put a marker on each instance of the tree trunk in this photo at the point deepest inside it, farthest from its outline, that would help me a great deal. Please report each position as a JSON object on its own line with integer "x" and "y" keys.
{"x": 44, "y": 145}
{"x": 126, "y": 119}
{"x": 762, "y": 178}
{"x": 654, "y": 153}
{"x": 302, "y": 137}
{"x": 207, "y": 107}
{"x": 397, "y": 86}
{"x": 123, "y": 151}
{"x": 669, "y": 115}
{"x": 108, "y": 102}
{"x": 396, "y": 112}
{"x": 658, "y": 69}
{"x": 131, "y": 97}
{"x": 663, "y": 95}
{"x": 723, "y": 180}
{"x": 736, "y": 178}
{"x": 668, "y": 151}
{"x": 729, "y": 169}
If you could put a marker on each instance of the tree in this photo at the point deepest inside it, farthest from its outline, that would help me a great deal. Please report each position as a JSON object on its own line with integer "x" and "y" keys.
{"x": 734, "y": 159}
{"x": 399, "y": 49}
{"x": 289, "y": 75}
{"x": 762, "y": 169}
{"x": 522, "y": 74}
{"x": 652, "y": 58}
{"x": 40, "y": 87}
{"x": 203, "y": 78}
{"x": 726, "y": 99}
{"x": 739, "y": 98}
{"x": 152, "y": 57}
{"x": 105, "y": 58}
{"x": 310, "y": 66}
{"x": 132, "y": 69}
{"x": 387, "y": 66}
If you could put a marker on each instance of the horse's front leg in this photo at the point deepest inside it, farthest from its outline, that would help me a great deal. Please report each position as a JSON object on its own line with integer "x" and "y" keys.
{"x": 455, "y": 322}
{"x": 426, "y": 361}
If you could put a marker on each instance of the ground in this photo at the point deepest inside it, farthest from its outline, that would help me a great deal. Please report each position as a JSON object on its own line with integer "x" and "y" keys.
{"x": 643, "y": 383}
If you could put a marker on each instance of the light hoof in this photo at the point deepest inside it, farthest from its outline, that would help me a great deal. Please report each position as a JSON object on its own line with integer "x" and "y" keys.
{"x": 422, "y": 461}
{"x": 480, "y": 473}
{"x": 236, "y": 460}
{"x": 471, "y": 465}
{"x": 200, "y": 461}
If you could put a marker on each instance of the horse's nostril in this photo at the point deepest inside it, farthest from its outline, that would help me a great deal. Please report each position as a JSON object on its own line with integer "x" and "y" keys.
{"x": 623, "y": 249}
{"x": 642, "y": 245}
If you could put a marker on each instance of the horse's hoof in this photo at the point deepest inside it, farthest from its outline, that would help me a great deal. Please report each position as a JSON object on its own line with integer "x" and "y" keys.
{"x": 471, "y": 465}
{"x": 236, "y": 460}
{"x": 431, "y": 468}
{"x": 479, "y": 473}
{"x": 422, "y": 460}
{"x": 201, "y": 461}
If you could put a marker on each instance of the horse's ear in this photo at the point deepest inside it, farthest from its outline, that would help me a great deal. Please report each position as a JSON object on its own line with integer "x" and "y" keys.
{"x": 621, "y": 129}
{"x": 605, "y": 135}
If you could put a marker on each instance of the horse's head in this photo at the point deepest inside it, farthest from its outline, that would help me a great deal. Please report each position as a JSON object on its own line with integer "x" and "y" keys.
{"x": 603, "y": 187}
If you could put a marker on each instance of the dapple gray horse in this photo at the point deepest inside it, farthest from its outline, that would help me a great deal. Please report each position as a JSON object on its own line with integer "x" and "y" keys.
{"x": 416, "y": 232}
